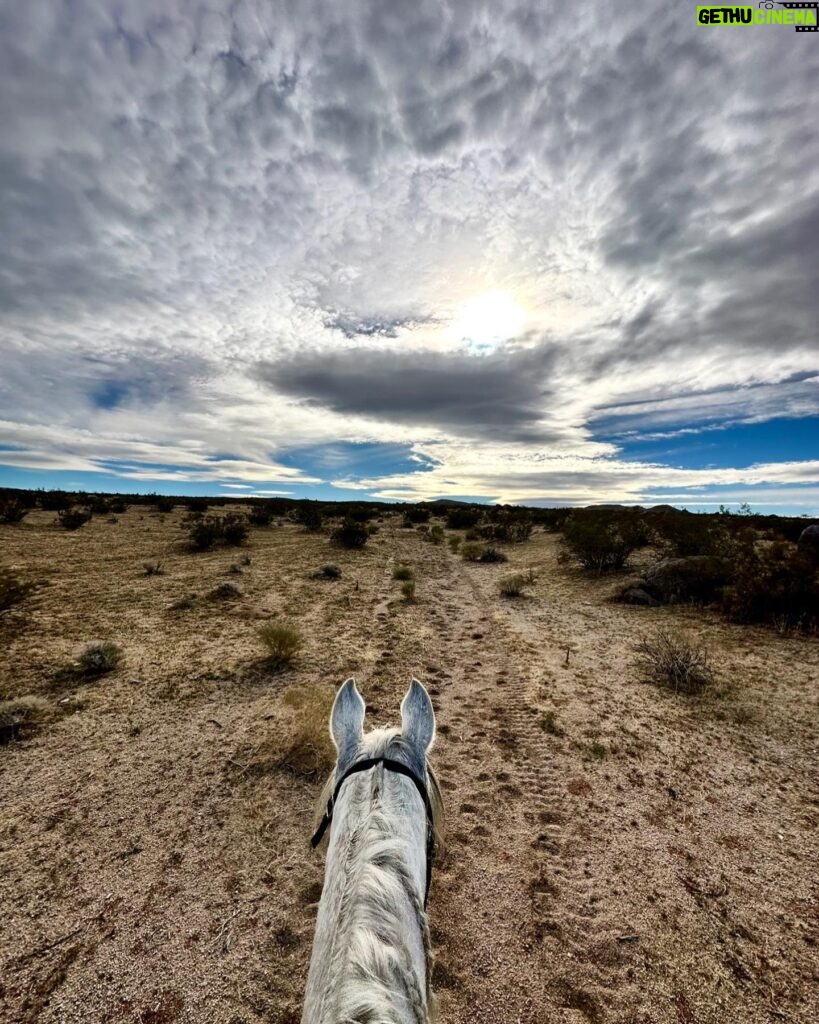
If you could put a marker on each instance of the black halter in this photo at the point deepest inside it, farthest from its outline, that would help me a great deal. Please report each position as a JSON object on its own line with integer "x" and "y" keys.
{"x": 400, "y": 769}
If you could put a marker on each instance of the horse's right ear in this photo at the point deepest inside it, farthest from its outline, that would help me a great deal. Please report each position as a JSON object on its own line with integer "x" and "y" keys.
{"x": 347, "y": 721}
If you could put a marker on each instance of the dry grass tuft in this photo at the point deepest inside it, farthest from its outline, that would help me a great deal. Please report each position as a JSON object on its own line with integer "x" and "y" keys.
{"x": 283, "y": 642}
{"x": 309, "y": 749}
{"x": 22, "y": 717}
{"x": 403, "y": 572}
{"x": 408, "y": 591}
{"x": 512, "y": 586}
{"x": 673, "y": 661}
{"x": 99, "y": 659}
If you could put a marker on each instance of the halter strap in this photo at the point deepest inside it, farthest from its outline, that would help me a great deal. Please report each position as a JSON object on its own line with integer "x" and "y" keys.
{"x": 400, "y": 769}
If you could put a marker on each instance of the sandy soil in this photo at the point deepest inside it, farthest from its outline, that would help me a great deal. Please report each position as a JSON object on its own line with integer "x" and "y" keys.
{"x": 648, "y": 859}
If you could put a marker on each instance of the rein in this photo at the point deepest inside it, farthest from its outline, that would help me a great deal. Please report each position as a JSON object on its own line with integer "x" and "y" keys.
{"x": 400, "y": 769}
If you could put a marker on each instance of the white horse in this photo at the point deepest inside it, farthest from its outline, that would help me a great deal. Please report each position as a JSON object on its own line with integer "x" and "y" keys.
{"x": 371, "y": 961}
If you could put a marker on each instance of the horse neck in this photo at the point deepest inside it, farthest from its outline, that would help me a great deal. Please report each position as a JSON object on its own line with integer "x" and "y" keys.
{"x": 371, "y": 948}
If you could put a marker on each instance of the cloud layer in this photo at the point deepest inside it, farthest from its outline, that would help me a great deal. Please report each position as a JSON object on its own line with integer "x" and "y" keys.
{"x": 234, "y": 232}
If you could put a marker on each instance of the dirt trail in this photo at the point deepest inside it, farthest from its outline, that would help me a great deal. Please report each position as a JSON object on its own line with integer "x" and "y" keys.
{"x": 615, "y": 854}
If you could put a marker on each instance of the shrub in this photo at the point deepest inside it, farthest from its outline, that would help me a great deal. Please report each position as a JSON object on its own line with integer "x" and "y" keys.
{"x": 12, "y": 511}
{"x": 462, "y": 517}
{"x": 309, "y": 516}
{"x": 182, "y": 603}
{"x": 282, "y": 640}
{"x": 21, "y": 717}
{"x": 408, "y": 591}
{"x": 198, "y": 506}
{"x": 471, "y": 551}
{"x": 350, "y": 535}
{"x": 153, "y": 567}
{"x": 327, "y": 572}
{"x": 204, "y": 532}
{"x": 99, "y": 506}
{"x": 417, "y": 514}
{"x": 778, "y": 585}
{"x": 402, "y": 572}
{"x": 118, "y": 506}
{"x": 548, "y": 723}
{"x": 165, "y": 505}
{"x": 602, "y": 541}
{"x": 234, "y": 529}
{"x": 73, "y": 518}
{"x": 309, "y": 749}
{"x": 492, "y": 555}
{"x": 13, "y": 590}
{"x": 454, "y": 543}
{"x": 512, "y": 586}
{"x": 436, "y": 534}
{"x": 55, "y": 501}
{"x": 225, "y": 592}
{"x": 508, "y": 527}
{"x": 261, "y": 514}
{"x": 99, "y": 659}
{"x": 670, "y": 660}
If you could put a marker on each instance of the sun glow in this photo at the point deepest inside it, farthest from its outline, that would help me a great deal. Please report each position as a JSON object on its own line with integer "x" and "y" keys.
{"x": 487, "y": 320}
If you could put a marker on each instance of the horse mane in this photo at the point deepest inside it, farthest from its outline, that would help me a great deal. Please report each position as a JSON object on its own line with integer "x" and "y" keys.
{"x": 369, "y": 940}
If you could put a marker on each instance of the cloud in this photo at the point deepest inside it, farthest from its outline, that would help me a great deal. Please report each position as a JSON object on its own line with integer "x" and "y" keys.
{"x": 246, "y": 230}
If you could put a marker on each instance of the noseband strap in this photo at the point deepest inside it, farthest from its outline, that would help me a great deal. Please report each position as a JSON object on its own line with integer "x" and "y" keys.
{"x": 400, "y": 769}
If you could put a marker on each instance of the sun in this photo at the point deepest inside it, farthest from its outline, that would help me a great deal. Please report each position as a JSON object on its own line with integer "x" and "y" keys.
{"x": 487, "y": 320}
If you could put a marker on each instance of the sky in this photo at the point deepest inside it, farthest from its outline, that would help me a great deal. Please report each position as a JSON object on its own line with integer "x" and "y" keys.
{"x": 527, "y": 252}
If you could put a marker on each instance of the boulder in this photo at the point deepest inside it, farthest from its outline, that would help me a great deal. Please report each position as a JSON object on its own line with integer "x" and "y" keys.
{"x": 697, "y": 578}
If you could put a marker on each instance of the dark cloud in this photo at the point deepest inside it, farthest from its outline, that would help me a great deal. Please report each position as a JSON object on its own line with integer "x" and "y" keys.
{"x": 504, "y": 397}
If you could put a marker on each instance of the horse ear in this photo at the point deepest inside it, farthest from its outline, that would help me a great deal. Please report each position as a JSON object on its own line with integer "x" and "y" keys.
{"x": 418, "y": 718}
{"x": 347, "y": 720}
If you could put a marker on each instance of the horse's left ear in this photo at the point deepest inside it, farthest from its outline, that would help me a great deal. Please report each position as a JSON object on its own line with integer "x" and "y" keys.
{"x": 418, "y": 718}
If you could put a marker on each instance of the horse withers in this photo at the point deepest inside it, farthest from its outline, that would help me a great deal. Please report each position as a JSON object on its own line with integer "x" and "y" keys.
{"x": 371, "y": 961}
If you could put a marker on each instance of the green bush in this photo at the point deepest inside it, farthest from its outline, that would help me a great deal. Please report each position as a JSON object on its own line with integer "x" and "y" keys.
{"x": 350, "y": 534}
{"x": 777, "y": 584}
{"x": 73, "y": 518}
{"x": 12, "y": 511}
{"x": 99, "y": 659}
{"x": 601, "y": 539}
{"x": 234, "y": 529}
{"x": 417, "y": 514}
{"x": 309, "y": 515}
{"x": 462, "y": 517}
{"x": 204, "y": 532}
{"x": 402, "y": 572}
{"x": 283, "y": 642}
{"x": 261, "y": 514}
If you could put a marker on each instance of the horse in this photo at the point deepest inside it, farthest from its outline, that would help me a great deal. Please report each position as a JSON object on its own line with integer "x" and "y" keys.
{"x": 372, "y": 961}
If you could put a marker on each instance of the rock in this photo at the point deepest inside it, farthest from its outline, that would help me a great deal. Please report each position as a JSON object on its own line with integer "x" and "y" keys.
{"x": 695, "y": 578}
{"x": 636, "y": 595}
{"x": 809, "y": 538}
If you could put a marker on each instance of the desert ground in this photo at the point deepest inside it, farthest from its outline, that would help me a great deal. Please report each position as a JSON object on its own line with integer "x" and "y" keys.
{"x": 615, "y": 853}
